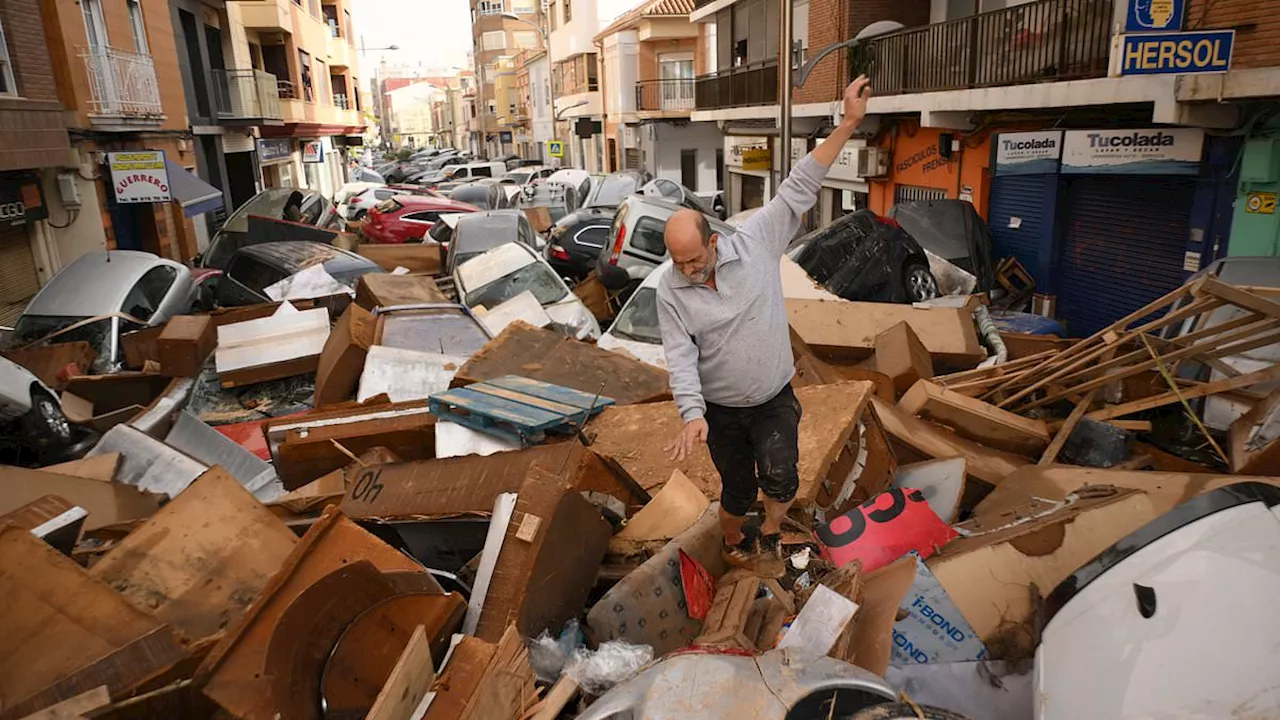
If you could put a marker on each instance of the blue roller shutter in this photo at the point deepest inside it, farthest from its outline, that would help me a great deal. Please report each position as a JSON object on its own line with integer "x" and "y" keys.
{"x": 1123, "y": 240}
{"x": 1022, "y": 197}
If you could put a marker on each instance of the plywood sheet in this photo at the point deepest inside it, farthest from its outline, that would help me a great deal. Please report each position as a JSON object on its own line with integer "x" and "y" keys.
{"x": 107, "y": 503}
{"x": 976, "y": 420}
{"x": 849, "y": 329}
{"x": 386, "y": 290}
{"x": 202, "y": 559}
{"x": 416, "y": 257}
{"x": 99, "y": 467}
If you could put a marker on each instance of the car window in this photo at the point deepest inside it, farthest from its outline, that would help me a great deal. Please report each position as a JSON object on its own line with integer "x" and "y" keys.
{"x": 647, "y": 236}
{"x": 252, "y": 273}
{"x": 639, "y": 319}
{"x": 146, "y": 294}
{"x": 484, "y": 171}
{"x": 613, "y": 190}
{"x": 668, "y": 189}
{"x": 428, "y": 216}
{"x": 441, "y": 233}
{"x": 535, "y": 277}
{"x": 595, "y": 236}
{"x": 383, "y": 194}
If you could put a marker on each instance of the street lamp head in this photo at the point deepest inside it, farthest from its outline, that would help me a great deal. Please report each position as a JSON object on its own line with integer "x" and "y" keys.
{"x": 393, "y": 47}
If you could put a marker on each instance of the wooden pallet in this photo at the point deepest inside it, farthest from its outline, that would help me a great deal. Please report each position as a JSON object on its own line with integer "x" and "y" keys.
{"x": 518, "y": 408}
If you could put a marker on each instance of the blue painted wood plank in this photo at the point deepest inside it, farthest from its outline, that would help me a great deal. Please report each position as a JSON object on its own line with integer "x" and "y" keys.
{"x": 547, "y": 391}
{"x": 523, "y": 415}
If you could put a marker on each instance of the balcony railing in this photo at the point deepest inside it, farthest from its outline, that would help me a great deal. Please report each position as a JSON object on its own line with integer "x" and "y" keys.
{"x": 246, "y": 94}
{"x": 1039, "y": 41}
{"x": 340, "y": 101}
{"x": 286, "y": 90}
{"x": 754, "y": 84}
{"x": 121, "y": 82}
{"x": 665, "y": 95}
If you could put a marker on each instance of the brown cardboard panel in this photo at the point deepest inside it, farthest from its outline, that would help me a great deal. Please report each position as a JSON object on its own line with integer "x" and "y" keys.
{"x": 871, "y": 644}
{"x": 331, "y": 487}
{"x": 377, "y": 290}
{"x": 99, "y": 467}
{"x": 140, "y": 346}
{"x": 109, "y": 393}
{"x": 677, "y": 506}
{"x": 546, "y": 355}
{"x": 408, "y": 682}
{"x": 63, "y": 632}
{"x": 416, "y": 257}
{"x": 460, "y": 679}
{"x": 543, "y": 578}
{"x": 636, "y": 437}
{"x": 506, "y": 687}
{"x": 901, "y": 356}
{"x": 342, "y": 360}
{"x": 539, "y": 218}
{"x": 849, "y": 329}
{"x": 37, "y": 512}
{"x": 932, "y": 441}
{"x": 107, "y": 503}
{"x": 233, "y": 671}
{"x": 595, "y": 296}
{"x": 976, "y": 420}
{"x": 1250, "y": 456}
{"x": 48, "y": 361}
{"x": 198, "y": 562}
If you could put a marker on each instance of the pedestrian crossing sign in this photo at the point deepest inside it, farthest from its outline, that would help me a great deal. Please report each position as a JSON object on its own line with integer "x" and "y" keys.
{"x": 555, "y": 148}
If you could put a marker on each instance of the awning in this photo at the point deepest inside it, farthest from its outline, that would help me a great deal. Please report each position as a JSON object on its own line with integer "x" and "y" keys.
{"x": 194, "y": 195}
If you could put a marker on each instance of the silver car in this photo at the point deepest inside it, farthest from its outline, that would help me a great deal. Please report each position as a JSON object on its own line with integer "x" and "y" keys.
{"x": 638, "y": 246}
{"x": 104, "y": 294}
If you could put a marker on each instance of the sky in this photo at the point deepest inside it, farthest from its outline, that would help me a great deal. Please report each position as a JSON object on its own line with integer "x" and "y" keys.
{"x": 436, "y": 33}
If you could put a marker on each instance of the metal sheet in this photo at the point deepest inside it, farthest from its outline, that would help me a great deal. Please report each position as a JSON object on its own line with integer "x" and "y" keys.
{"x": 211, "y": 447}
{"x": 147, "y": 463}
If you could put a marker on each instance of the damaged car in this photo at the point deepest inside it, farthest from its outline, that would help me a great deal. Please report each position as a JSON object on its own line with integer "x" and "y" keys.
{"x": 504, "y": 272}
{"x": 954, "y": 231}
{"x": 867, "y": 257}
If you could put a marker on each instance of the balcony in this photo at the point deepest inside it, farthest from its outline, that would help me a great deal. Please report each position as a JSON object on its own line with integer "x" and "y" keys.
{"x": 340, "y": 101}
{"x": 1042, "y": 41}
{"x": 753, "y": 84}
{"x": 675, "y": 97}
{"x": 339, "y": 51}
{"x": 272, "y": 15}
{"x": 246, "y": 95}
{"x": 123, "y": 87}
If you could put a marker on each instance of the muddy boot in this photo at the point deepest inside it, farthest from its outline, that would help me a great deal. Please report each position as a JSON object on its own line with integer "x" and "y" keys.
{"x": 770, "y": 562}
{"x": 743, "y": 553}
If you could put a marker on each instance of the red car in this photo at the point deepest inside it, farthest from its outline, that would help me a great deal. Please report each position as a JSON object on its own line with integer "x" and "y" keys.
{"x": 407, "y": 218}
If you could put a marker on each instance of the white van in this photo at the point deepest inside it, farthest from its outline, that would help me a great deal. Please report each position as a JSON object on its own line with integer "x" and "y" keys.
{"x": 474, "y": 171}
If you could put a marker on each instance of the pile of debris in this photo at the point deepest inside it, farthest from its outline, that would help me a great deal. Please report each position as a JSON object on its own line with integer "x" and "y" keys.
{"x": 458, "y": 525}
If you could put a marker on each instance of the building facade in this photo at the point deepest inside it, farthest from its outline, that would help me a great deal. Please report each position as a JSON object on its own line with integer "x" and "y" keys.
{"x": 500, "y": 30}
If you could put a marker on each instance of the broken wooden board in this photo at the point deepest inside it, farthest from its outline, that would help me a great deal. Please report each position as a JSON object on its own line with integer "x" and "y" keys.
{"x": 549, "y": 559}
{"x": 635, "y": 437}
{"x": 48, "y": 362}
{"x": 63, "y": 632}
{"x": 99, "y": 467}
{"x": 550, "y": 357}
{"x": 408, "y": 683}
{"x": 75, "y": 708}
{"x": 331, "y": 487}
{"x": 976, "y": 420}
{"x": 902, "y": 357}
{"x": 849, "y": 329}
{"x": 414, "y": 257}
{"x": 1021, "y": 345}
{"x": 1251, "y": 439}
{"x": 375, "y": 290}
{"x": 459, "y": 679}
{"x": 287, "y": 343}
{"x": 930, "y": 441}
{"x": 676, "y": 507}
{"x": 506, "y": 688}
{"x": 202, "y": 559}
{"x": 236, "y": 673}
{"x": 107, "y": 503}
{"x": 342, "y": 359}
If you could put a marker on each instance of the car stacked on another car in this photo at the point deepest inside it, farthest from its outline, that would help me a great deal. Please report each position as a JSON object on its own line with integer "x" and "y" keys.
{"x": 477, "y": 233}
{"x": 485, "y": 194}
{"x": 637, "y": 243}
{"x": 500, "y": 274}
{"x": 253, "y": 269}
{"x": 359, "y": 204}
{"x": 575, "y": 240}
{"x": 408, "y": 218}
{"x": 868, "y": 257}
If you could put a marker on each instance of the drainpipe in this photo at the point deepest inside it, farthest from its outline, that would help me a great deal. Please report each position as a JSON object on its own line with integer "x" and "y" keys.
{"x": 784, "y": 105}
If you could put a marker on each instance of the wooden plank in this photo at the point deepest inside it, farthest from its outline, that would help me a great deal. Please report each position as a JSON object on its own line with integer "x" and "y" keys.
{"x": 551, "y": 406}
{"x": 506, "y": 688}
{"x": 1239, "y": 297}
{"x": 901, "y": 356}
{"x": 577, "y": 399}
{"x": 410, "y": 679}
{"x": 99, "y": 467}
{"x": 1261, "y": 376}
{"x": 986, "y": 464}
{"x": 202, "y": 559}
{"x": 849, "y": 329}
{"x": 550, "y": 357}
{"x": 974, "y": 419}
{"x": 62, "y": 632}
{"x": 107, "y": 503}
{"x": 1060, "y": 439}
{"x": 564, "y": 690}
{"x": 1248, "y": 456}
{"x": 74, "y": 708}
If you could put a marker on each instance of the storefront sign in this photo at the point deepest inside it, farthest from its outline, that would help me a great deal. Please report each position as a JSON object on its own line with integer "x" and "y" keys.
{"x": 139, "y": 176}
{"x": 1132, "y": 152}
{"x": 1261, "y": 203}
{"x": 1027, "y": 153}
{"x": 313, "y": 151}
{"x": 1154, "y": 15}
{"x": 756, "y": 159}
{"x": 1177, "y": 53}
{"x": 274, "y": 150}
{"x": 736, "y": 148}
{"x": 845, "y": 168}
{"x": 21, "y": 199}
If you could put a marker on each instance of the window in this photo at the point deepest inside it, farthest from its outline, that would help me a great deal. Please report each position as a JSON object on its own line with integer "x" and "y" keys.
{"x": 147, "y": 294}
{"x": 346, "y": 17}
{"x": 482, "y": 171}
{"x": 304, "y": 68}
{"x": 8, "y": 85}
{"x": 490, "y": 7}
{"x": 355, "y": 93}
{"x": 322, "y": 90}
{"x": 426, "y": 216}
{"x": 137, "y": 26}
{"x": 486, "y": 74}
{"x": 522, "y": 39}
{"x": 494, "y": 40}
{"x": 593, "y": 82}
{"x": 568, "y": 11}
{"x": 254, "y": 274}
{"x": 331, "y": 19}
{"x": 647, "y": 237}
{"x": 524, "y": 7}
{"x": 799, "y": 33}
{"x": 94, "y": 24}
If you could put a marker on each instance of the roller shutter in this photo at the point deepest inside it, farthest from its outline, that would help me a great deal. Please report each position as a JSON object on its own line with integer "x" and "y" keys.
{"x": 1016, "y": 216}
{"x": 1122, "y": 247}
{"x": 19, "y": 280}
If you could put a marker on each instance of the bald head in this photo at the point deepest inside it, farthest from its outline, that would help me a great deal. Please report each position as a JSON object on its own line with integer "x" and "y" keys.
{"x": 691, "y": 244}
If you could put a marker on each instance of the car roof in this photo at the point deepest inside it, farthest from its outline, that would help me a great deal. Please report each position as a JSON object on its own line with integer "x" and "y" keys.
{"x": 491, "y": 216}
{"x": 433, "y": 202}
{"x": 666, "y": 209}
{"x": 95, "y": 283}
{"x": 493, "y": 264}
{"x": 297, "y": 254}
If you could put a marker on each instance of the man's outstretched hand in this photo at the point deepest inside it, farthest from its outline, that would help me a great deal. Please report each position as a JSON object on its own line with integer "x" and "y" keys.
{"x": 855, "y": 100}
{"x": 693, "y": 434}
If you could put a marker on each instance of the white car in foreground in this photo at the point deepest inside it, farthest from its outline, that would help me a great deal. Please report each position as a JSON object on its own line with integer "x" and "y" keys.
{"x": 27, "y": 401}
{"x": 512, "y": 269}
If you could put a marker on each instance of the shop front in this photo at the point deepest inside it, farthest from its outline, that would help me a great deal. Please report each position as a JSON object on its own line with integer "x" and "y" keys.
{"x": 21, "y": 206}
{"x": 932, "y": 164}
{"x": 748, "y": 164}
{"x": 276, "y": 157}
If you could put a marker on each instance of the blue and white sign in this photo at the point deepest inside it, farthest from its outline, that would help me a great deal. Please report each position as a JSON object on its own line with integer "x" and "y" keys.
{"x": 271, "y": 150}
{"x": 1177, "y": 53}
{"x": 1027, "y": 153}
{"x": 313, "y": 151}
{"x": 1154, "y": 15}
{"x": 934, "y": 631}
{"x": 1132, "y": 152}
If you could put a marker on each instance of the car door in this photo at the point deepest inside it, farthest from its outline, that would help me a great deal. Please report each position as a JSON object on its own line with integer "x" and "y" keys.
{"x": 244, "y": 281}
{"x": 420, "y": 223}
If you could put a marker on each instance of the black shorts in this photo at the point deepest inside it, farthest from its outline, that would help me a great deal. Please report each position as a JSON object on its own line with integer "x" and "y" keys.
{"x": 755, "y": 448}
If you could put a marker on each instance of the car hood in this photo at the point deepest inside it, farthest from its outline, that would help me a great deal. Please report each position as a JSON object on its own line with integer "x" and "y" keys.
{"x": 572, "y": 315}
{"x": 650, "y": 353}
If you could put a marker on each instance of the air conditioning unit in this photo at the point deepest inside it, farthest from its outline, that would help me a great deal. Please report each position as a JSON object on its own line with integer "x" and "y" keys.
{"x": 872, "y": 162}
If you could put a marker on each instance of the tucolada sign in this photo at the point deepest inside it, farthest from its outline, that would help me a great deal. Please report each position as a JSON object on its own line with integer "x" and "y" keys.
{"x": 1028, "y": 153}
{"x": 1136, "y": 152}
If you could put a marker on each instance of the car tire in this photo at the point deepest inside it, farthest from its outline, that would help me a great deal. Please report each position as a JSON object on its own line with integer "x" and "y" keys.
{"x": 904, "y": 711}
{"x": 45, "y": 423}
{"x": 919, "y": 283}
{"x": 360, "y": 214}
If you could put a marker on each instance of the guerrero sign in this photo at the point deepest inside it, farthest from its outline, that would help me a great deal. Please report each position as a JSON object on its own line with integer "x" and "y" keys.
{"x": 139, "y": 176}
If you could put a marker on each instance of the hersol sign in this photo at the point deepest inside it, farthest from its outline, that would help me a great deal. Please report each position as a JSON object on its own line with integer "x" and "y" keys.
{"x": 1133, "y": 152}
{"x": 139, "y": 176}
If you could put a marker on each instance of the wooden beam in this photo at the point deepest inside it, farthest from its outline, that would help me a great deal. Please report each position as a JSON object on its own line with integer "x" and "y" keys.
{"x": 1239, "y": 297}
{"x": 409, "y": 681}
{"x": 1060, "y": 439}
{"x": 1262, "y": 376}
{"x": 976, "y": 420}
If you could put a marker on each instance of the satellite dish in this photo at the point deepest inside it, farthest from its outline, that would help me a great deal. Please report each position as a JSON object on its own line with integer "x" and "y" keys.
{"x": 880, "y": 27}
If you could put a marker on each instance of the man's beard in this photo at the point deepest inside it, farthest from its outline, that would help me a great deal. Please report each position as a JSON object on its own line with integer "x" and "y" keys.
{"x": 701, "y": 277}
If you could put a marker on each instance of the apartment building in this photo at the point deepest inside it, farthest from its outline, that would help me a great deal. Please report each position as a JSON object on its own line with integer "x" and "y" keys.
{"x": 510, "y": 112}
{"x": 33, "y": 145}
{"x": 650, "y": 56}
{"x": 536, "y": 68}
{"x": 413, "y": 115}
{"x": 309, "y": 47}
{"x": 500, "y": 30}
{"x": 575, "y": 76}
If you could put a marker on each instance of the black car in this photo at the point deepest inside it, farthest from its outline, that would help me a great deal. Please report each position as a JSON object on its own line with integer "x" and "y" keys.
{"x": 867, "y": 257}
{"x": 253, "y": 269}
{"x": 954, "y": 231}
{"x": 575, "y": 240}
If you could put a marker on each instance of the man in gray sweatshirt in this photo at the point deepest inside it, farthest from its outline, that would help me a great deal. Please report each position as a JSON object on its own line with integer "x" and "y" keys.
{"x": 728, "y": 348}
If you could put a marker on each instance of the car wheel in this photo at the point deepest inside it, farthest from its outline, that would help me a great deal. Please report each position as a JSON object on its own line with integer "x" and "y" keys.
{"x": 45, "y": 422}
{"x": 919, "y": 283}
{"x": 360, "y": 215}
{"x": 904, "y": 711}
